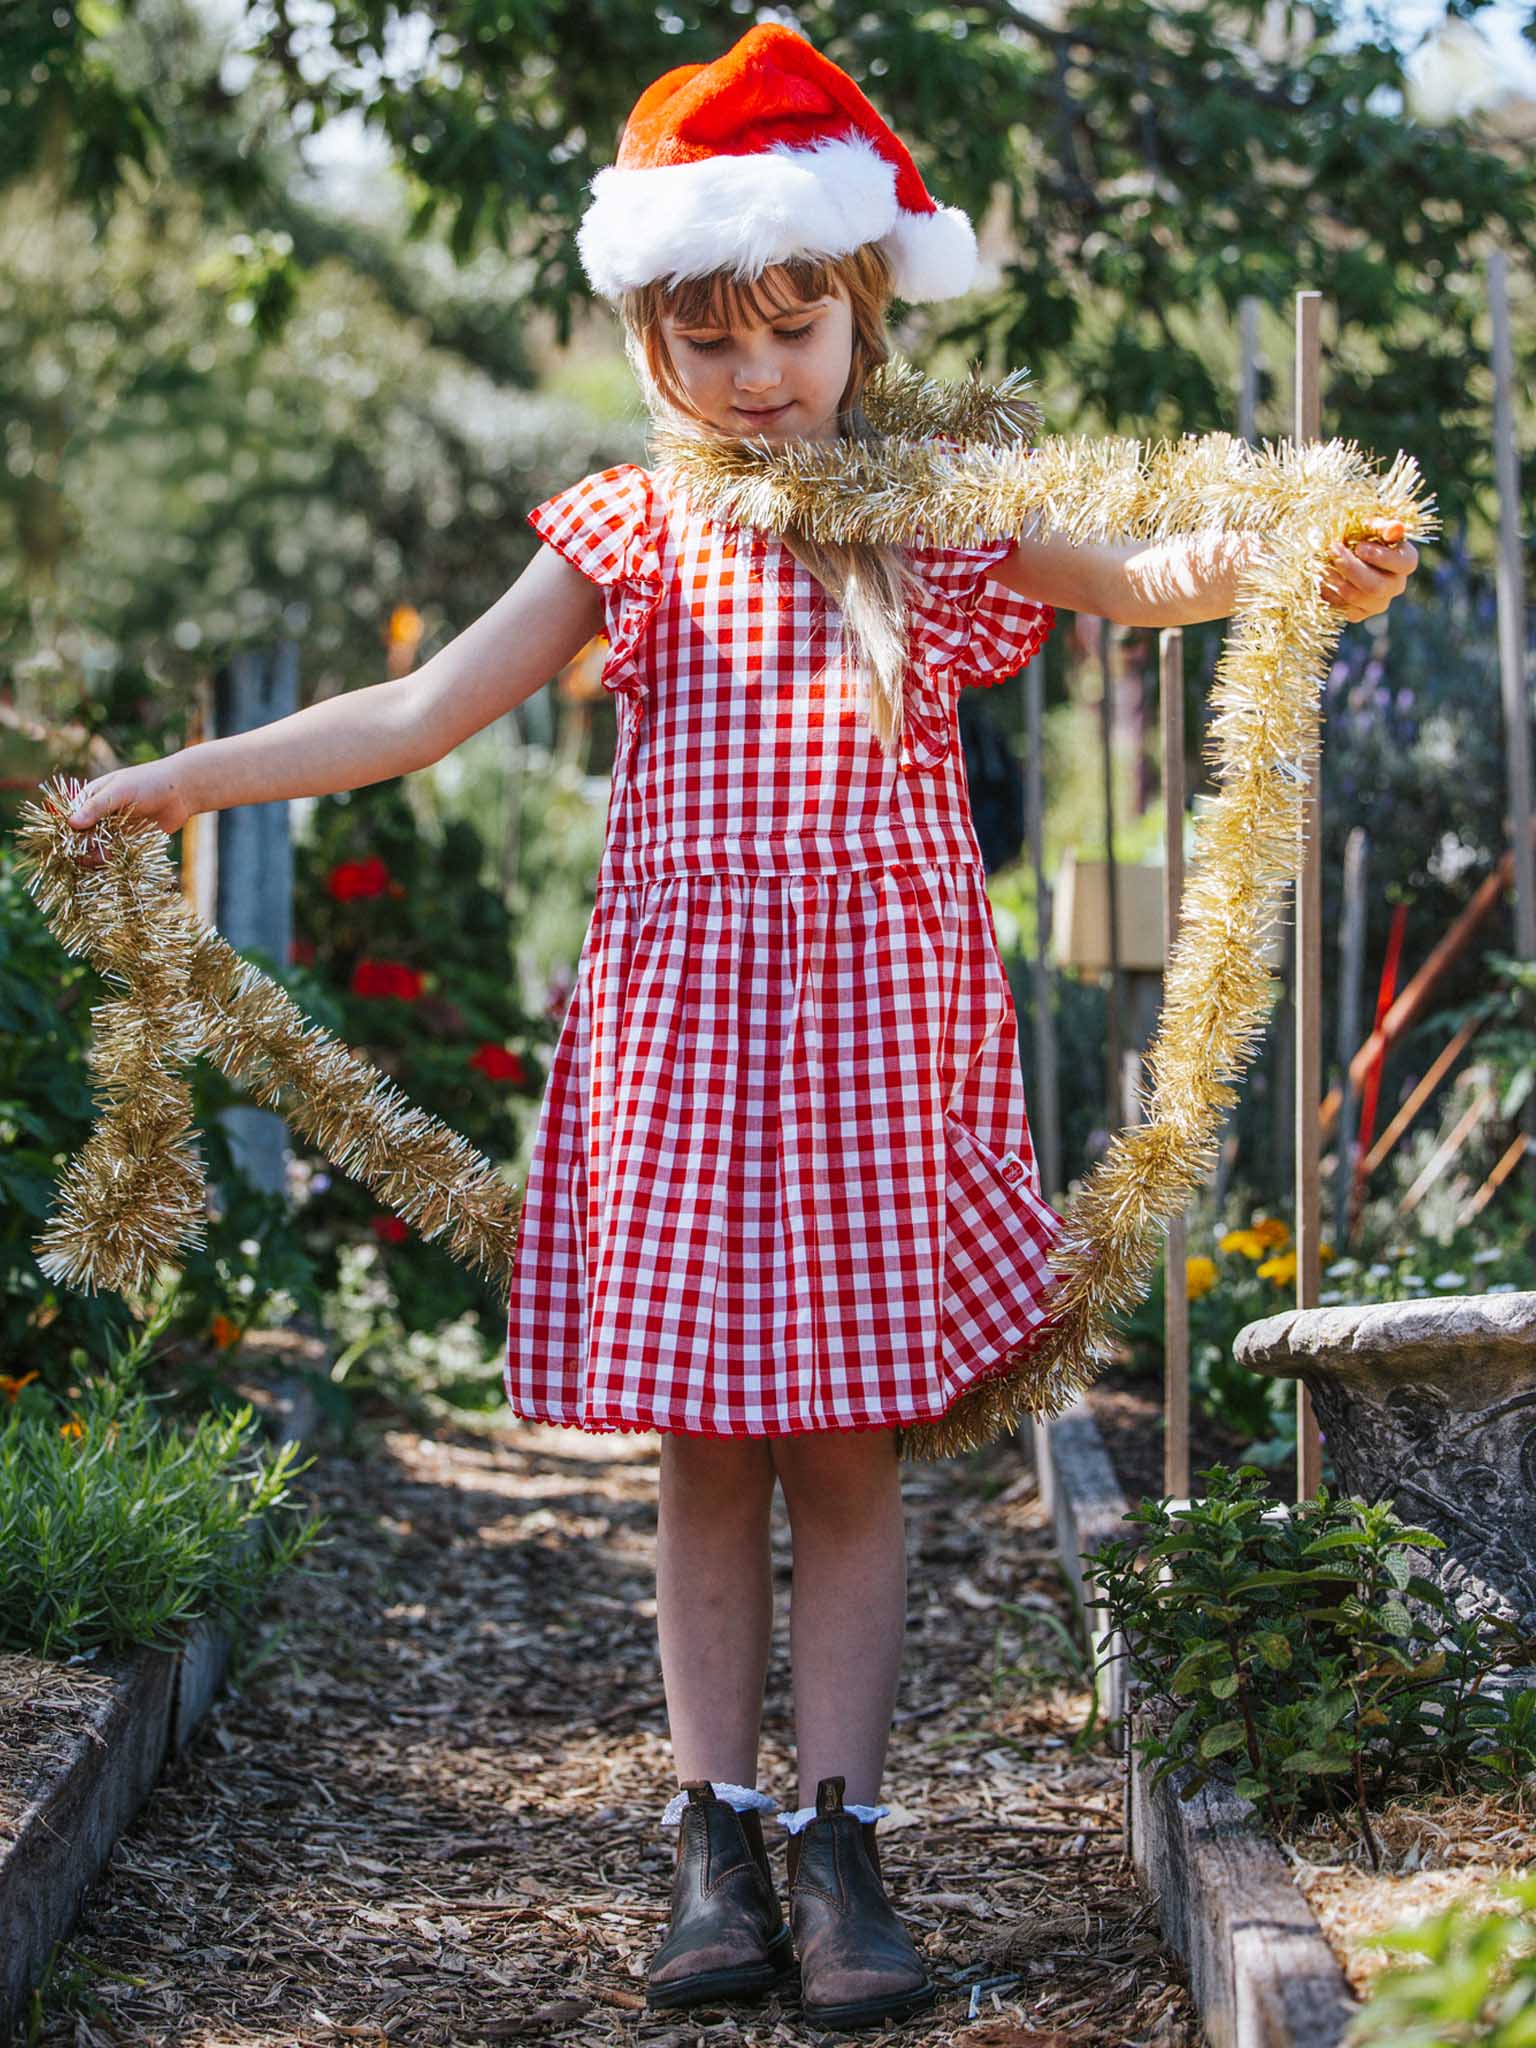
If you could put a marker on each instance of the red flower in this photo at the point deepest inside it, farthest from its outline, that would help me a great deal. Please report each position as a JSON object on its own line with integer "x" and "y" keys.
{"x": 352, "y": 878}
{"x": 498, "y": 1064}
{"x": 388, "y": 1229}
{"x": 386, "y": 978}
{"x": 301, "y": 953}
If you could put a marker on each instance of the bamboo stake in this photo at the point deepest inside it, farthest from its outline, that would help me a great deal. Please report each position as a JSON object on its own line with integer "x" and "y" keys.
{"x": 1444, "y": 1060}
{"x": 1413, "y": 998}
{"x": 1497, "y": 1178}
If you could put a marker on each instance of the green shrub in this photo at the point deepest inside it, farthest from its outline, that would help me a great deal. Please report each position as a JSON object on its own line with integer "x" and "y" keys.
{"x": 119, "y": 1530}
{"x": 1478, "y": 1984}
{"x": 1303, "y": 1651}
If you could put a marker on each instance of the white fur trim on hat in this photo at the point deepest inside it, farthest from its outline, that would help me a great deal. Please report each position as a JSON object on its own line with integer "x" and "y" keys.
{"x": 743, "y": 213}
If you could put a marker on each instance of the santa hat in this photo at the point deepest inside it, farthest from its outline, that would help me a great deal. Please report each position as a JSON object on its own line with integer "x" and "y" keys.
{"x": 770, "y": 152}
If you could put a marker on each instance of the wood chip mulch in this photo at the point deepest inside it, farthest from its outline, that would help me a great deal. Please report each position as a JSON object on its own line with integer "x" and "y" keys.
{"x": 1443, "y": 1850}
{"x": 426, "y": 1809}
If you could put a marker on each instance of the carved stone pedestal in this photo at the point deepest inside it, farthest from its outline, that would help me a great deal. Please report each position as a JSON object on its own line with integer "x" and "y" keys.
{"x": 1433, "y": 1405}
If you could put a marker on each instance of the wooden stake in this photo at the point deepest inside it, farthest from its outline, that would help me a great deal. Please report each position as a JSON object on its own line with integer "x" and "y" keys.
{"x": 1115, "y": 1088}
{"x": 1511, "y": 600}
{"x": 1413, "y": 998}
{"x": 1446, "y": 1151}
{"x": 1170, "y": 666}
{"x": 1497, "y": 1178}
{"x": 1045, "y": 1111}
{"x": 1309, "y": 960}
{"x": 1444, "y": 1060}
{"x": 1351, "y": 995}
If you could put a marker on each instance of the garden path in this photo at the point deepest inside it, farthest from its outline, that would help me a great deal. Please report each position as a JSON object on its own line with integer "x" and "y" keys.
{"x": 425, "y": 1811}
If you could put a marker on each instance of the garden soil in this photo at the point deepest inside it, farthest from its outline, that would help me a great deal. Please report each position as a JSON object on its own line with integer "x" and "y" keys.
{"x": 426, "y": 1811}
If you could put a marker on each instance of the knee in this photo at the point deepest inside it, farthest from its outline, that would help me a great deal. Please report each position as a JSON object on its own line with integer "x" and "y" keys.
{"x": 721, "y": 1475}
{"x": 842, "y": 1475}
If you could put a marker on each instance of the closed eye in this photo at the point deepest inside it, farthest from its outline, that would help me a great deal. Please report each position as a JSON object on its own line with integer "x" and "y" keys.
{"x": 707, "y": 348}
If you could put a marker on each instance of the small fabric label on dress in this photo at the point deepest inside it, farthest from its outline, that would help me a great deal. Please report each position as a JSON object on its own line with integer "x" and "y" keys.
{"x": 1013, "y": 1167}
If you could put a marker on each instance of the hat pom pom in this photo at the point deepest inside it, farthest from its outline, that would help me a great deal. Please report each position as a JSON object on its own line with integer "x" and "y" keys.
{"x": 933, "y": 255}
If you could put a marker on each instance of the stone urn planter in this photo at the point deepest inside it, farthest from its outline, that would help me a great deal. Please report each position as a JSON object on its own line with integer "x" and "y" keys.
{"x": 1431, "y": 1404}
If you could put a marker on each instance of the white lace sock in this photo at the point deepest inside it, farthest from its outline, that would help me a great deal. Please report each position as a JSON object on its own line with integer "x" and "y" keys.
{"x": 742, "y": 1797}
{"x": 802, "y": 1817}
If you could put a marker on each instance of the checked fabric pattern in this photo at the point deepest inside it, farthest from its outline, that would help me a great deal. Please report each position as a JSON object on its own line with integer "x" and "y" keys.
{"x": 782, "y": 1178}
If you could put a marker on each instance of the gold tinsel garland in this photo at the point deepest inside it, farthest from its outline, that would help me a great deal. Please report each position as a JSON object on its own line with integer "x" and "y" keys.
{"x": 135, "y": 1192}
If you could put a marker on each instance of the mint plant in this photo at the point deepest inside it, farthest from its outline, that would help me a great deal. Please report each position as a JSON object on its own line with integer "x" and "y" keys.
{"x": 1478, "y": 1983}
{"x": 1307, "y": 1660}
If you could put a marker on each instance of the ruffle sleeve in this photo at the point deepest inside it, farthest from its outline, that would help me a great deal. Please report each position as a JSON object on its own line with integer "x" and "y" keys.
{"x": 966, "y": 627}
{"x": 605, "y": 527}
{"x": 962, "y": 629}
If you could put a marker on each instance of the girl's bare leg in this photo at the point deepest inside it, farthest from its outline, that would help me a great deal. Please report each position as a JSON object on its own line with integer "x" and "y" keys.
{"x": 849, "y": 1604}
{"x": 714, "y": 1601}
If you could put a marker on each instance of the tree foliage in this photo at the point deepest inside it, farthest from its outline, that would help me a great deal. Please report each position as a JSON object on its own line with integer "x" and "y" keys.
{"x": 1150, "y": 162}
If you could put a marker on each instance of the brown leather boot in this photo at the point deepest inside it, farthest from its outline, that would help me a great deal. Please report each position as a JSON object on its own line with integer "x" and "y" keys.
{"x": 726, "y": 1937}
{"x": 858, "y": 1964}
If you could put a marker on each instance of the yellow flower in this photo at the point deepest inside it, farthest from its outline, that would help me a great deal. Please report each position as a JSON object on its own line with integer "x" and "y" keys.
{"x": 1275, "y": 1234}
{"x": 1200, "y": 1276}
{"x": 1325, "y": 1254}
{"x": 12, "y": 1387}
{"x": 1248, "y": 1242}
{"x": 1281, "y": 1268}
{"x": 73, "y": 1427}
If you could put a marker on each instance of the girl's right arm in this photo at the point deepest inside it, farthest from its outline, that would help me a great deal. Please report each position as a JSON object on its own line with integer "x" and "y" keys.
{"x": 388, "y": 729}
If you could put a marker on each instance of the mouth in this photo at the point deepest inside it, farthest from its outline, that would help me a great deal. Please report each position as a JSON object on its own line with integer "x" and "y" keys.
{"x": 770, "y": 412}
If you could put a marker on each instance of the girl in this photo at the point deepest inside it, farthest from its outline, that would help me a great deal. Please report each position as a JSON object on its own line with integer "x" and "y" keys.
{"x": 782, "y": 1199}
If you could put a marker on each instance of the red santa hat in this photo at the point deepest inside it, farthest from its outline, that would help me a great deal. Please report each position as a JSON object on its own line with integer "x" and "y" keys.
{"x": 770, "y": 152}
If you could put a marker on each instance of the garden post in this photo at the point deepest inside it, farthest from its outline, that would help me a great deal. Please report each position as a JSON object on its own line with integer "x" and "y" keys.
{"x": 1045, "y": 1114}
{"x": 1309, "y": 961}
{"x": 1170, "y": 676}
{"x": 253, "y": 899}
{"x": 1512, "y": 635}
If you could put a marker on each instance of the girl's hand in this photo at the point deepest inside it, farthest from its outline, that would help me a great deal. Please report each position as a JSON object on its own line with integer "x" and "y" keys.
{"x": 1363, "y": 580}
{"x": 155, "y": 789}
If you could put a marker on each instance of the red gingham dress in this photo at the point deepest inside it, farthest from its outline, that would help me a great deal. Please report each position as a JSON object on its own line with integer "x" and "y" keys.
{"x": 782, "y": 1178}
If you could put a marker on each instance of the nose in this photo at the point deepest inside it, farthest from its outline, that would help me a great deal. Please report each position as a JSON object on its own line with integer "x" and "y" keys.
{"x": 756, "y": 377}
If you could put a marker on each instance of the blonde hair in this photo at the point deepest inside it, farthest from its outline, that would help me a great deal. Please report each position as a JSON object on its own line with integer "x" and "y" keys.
{"x": 870, "y": 585}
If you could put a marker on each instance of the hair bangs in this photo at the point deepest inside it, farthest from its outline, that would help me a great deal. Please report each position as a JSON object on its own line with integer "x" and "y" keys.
{"x": 721, "y": 299}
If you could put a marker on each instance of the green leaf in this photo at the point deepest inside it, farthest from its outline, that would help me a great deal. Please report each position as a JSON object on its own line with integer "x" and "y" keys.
{"x": 1188, "y": 1675}
{"x": 1314, "y": 1760}
{"x": 1226, "y": 1735}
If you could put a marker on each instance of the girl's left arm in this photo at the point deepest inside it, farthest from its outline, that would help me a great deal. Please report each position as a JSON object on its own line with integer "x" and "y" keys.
{"x": 1193, "y": 577}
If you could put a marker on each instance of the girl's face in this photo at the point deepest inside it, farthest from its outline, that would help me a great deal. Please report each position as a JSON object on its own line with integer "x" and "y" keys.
{"x": 782, "y": 377}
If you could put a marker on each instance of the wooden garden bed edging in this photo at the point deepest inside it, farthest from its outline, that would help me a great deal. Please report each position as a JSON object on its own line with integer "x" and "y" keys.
{"x": 73, "y": 1822}
{"x": 1082, "y": 1496}
{"x": 1261, "y": 1971}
